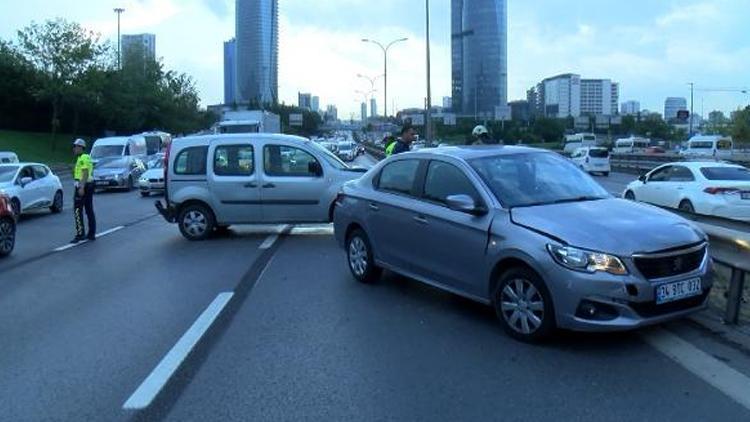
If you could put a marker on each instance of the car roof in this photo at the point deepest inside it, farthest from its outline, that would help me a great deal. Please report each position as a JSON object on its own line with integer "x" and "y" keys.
{"x": 199, "y": 139}
{"x": 112, "y": 140}
{"x": 700, "y": 164}
{"x": 469, "y": 152}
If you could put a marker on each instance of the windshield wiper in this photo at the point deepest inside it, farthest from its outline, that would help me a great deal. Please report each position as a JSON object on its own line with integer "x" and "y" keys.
{"x": 562, "y": 201}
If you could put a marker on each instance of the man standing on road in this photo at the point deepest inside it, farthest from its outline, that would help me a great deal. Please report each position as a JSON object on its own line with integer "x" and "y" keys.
{"x": 84, "y": 193}
{"x": 403, "y": 144}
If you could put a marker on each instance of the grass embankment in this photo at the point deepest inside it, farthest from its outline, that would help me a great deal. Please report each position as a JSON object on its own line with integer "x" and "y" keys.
{"x": 38, "y": 147}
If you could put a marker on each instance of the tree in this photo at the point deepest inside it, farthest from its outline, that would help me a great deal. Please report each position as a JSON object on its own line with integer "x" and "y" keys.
{"x": 18, "y": 78}
{"x": 741, "y": 125}
{"x": 62, "y": 52}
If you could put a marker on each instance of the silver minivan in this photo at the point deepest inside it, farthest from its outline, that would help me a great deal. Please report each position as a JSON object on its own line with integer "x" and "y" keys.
{"x": 214, "y": 181}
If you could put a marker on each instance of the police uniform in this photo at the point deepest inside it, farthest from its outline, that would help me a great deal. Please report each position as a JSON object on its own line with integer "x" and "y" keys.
{"x": 84, "y": 203}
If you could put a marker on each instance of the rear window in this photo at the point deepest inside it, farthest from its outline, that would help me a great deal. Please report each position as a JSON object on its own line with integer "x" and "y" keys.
{"x": 399, "y": 176}
{"x": 726, "y": 173}
{"x": 702, "y": 145}
{"x": 191, "y": 161}
{"x": 598, "y": 153}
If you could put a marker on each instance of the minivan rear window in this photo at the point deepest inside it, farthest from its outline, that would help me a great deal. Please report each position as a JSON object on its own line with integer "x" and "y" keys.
{"x": 191, "y": 161}
{"x": 598, "y": 153}
{"x": 726, "y": 173}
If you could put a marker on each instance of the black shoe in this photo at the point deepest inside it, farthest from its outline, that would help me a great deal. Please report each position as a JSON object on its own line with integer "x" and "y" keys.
{"x": 77, "y": 239}
{"x": 91, "y": 238}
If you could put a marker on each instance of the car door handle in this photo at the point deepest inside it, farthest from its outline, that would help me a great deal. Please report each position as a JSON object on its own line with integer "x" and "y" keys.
{"x": 269, "y": 185}
{"x": 374, "y": 207}
{"x": 250, "y": 185}
{"x": 420, "y": 219}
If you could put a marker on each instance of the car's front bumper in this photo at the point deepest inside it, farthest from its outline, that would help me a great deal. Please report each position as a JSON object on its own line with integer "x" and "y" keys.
{"x": 622, "y": 302}
{"x": 104, "y": 182}
{"x": 152, "y": 187}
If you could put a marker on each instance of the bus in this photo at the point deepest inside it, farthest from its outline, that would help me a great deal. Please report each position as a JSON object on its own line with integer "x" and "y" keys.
{"x": 578, "y": 140}
{"x": 631, "y": 145}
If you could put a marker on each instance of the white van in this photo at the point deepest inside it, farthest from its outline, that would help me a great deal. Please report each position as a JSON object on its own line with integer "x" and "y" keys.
{"x": 119, "y": 146}
{"x": 8, "y": 157}
{"x": 631, "y": 145}
{"x": 709, "y": 146}
{"x": 592, "y": 160}
{"x": 578, "y": 140}
{"x": 156, "y": 141}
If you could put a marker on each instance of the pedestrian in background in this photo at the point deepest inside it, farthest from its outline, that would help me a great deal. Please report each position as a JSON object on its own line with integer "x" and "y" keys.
{"x": 403, "y": 144}
{"x": 83, "y": 197}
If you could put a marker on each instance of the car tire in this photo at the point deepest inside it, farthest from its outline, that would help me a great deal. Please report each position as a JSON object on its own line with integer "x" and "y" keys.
{"x": 129, "y": 186}
{"x": 145, "y": 194}
{"x": 57, "y": 203}
{"x": 7, "y": 236}
{"x": 523, "y": 305}
{"x": 196, "y": 222}
{"x": 630, "y": 196}
{"x": 15, "y": 205}
{"x": 360, "y": 258}
{"x": 686, "y": 206}
{"x": 606, "y": 174}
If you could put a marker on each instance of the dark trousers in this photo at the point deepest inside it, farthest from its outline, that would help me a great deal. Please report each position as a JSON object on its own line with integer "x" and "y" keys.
{"x": 81, "y": 204}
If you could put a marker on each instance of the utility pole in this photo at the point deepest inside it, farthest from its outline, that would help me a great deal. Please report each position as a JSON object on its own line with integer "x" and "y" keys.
{"x": 428, "y": 122}
{"x": 119, "y": 11}
{"x": 692, "y": 89}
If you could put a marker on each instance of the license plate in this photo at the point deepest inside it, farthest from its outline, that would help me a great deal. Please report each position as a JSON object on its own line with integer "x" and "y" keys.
{"x": 745, "y": 195}
{"x": 102, "y": 182}
{"x": 670, "y": 292}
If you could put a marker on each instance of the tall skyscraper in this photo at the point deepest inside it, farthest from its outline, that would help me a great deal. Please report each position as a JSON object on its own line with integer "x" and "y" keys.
{"x": 479, "y": 56}
{"x": 138, "y": 47}
{"x": 315, "y": 103}
{"x": 363, "y": 111}
{"x": 599, "y": 97}
{"x": 304, "y": 100}
{"x": 672, "y": 105}
{"x": 257, "y": 34}
{"x": 230, "y": 71}
{"x": 373, "y": 107}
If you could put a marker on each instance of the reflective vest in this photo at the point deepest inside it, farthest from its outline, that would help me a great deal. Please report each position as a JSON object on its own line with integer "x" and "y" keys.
{"x": 83, "y": 163}
{"x": 389, "y": 149}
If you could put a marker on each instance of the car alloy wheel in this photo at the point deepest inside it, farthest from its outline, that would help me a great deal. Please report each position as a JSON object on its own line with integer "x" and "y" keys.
{"x": 7, "y": 236}
{"x": 196, "y": 222}
{"x": 360, "y": 257}
{"x": 523, "y": 305}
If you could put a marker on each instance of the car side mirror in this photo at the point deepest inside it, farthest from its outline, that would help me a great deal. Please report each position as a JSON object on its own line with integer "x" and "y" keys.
{"x": 314, "y": 167}
{"x": 25, "y": 181}
{"x": 464, "y": 203}
{"x": 642, "y": 178}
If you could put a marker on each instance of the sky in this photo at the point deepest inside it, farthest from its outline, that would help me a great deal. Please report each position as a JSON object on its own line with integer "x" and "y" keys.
{"x": 653, "y": 48}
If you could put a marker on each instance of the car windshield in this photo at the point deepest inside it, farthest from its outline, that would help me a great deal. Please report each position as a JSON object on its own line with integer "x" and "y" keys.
{"x": 330, "y": 157}
{"x": 157, "y": 163}
{"x": 529, "y": 179}
{"x": 7, "y": 173}
{"x": 101, "y": 151}
{"x": 726, "y": 173}
{"x": 599, "y": 153}
{"x": 345, "y": 147}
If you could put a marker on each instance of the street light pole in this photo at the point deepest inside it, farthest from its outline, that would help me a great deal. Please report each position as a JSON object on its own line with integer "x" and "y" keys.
{"x": 371, "y": 81}
{"x": 385, "y": 68}
{"x": 428, "y": 123}
{"x": 119, "y": 11}
{"x": 692, "y": 89}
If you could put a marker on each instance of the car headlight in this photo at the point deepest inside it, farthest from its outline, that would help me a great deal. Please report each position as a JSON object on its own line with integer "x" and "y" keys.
{"x": 582, "y": 260}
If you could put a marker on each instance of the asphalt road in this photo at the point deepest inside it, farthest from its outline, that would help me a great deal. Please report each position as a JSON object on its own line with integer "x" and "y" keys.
{"x": 295, "y": 338}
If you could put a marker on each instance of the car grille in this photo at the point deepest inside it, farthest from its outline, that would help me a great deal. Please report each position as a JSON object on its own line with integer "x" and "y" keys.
{"x": 661, "y": 266}
{"x": 651, "y": 309}
{"x": 155, "y": 180}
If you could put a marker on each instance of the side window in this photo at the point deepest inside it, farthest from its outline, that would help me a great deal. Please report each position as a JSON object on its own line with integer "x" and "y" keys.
{"x": 681, "y": 174}
{"x": 26, "y": 172}
{"x": 234, "y": 160}
{"x": 40, "y": 172}
{"x": 191, "y": 161}
{"x": 661, "y": 175}
{"x": 284, "y": 161}
{"x": 444, "y": 180}
{"x": 127, "y": 149}
{"x": 399, "y": 176}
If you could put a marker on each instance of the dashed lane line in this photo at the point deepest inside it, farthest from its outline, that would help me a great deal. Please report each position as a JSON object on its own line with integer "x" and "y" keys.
{"x": 98, "y": 235}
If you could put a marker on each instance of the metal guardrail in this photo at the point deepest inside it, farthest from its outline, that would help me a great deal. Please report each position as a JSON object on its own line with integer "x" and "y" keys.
{"x": 642, "y": 163}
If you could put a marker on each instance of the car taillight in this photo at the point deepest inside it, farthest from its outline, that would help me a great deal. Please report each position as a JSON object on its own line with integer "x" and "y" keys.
{"x": 717, "y": 191}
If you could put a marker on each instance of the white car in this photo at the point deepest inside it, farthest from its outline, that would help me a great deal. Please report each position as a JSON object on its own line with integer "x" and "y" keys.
{"x": 31, "y": 186}
{"x": 592, "y": 160}
{"x": 7, "y": 157}
{"x": 709, "y": 188}
{"x": 152, "y": 180}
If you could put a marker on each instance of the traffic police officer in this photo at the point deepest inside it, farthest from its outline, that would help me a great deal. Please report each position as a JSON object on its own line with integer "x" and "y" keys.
{"x": 83, "y": 173}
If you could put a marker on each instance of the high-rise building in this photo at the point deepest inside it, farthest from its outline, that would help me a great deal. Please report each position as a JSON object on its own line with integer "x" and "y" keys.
{"x": 304, "y": 100}
{"x": 479, "y": 53}
{"x": 599, "y": 97}
{"x": 138, "y": 47}
{"x": 363, "y": 111}
{"x": 448, "y": 103}
{"x": 672, "y": 105}
{"x": 629, "y": 108}
{"x": 230, "y": 69}
{"x": 315, "y": 103}
{"x": 373, "y": 107}
{"x": 559, "y": 96}
{"x": 332, "y": 113}
{"x": 257, "y": 35}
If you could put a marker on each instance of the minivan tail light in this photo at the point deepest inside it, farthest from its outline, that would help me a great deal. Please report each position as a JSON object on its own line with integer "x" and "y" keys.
{"x": 718, "y": 191}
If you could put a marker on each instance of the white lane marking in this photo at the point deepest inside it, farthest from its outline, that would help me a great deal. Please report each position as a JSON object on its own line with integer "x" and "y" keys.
{"x": 152, "y": 385}
{"x": 711, "y": 370}
{"x": 98, "y": 235}
{"x": 270, "y": 240}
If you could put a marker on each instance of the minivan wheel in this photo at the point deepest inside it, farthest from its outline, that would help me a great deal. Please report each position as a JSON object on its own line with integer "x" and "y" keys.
{"x": 360, "y": 258}
{"x": 7, "y": 236}
{"x": 196, "y": 222}
{"x": 686, "y": 206}
{"x": 524, "y": 306}
{"x": 629, "y": 195}
{"x": 57, "y": 203}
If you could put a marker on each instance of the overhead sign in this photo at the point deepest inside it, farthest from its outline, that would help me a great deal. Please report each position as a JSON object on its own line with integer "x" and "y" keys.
{"x": 296, "y": 119}
{"x": 683, "y": 114}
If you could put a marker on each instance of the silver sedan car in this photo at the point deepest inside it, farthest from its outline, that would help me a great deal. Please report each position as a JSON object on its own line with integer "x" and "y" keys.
{"x": 527, "y": 232}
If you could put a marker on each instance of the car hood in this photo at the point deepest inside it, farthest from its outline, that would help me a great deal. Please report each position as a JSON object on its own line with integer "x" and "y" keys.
{"x": 153, "y": 174}
{"x": 111, "y": 163}
{"x": 615, "y": 226}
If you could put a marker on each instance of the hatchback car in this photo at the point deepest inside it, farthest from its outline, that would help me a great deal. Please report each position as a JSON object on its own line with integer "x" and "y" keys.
{"x": 152, "y": 180}
{"x": 528, "y": 232}
{"x": 31, "y": 186}
{"x": 592, "y": 160}
{"x": 7, "y": 226}
{"x": 215, "y": 181}
{"x": 708, "y": 188}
